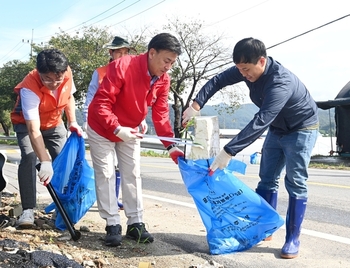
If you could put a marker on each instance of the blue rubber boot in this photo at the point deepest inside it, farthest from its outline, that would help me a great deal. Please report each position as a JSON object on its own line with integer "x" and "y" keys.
{"x": 271, "y": 197}
{"x": 294, "y": 219}
{"x": 117, "y": 187}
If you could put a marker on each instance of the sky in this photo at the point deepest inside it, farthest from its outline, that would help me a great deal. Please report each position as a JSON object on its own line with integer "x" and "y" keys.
{"x": 320, "y": 58}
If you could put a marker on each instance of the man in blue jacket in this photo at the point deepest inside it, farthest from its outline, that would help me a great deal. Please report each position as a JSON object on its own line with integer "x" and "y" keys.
{"x": 290, "y": 114}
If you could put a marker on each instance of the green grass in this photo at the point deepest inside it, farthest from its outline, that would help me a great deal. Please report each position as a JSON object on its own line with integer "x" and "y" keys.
{"x": 154, "y": 154}
{"x": 8, "y": 142}
{"x": 329, "y": 166}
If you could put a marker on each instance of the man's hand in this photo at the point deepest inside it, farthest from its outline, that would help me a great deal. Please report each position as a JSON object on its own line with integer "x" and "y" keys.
{"x": 188, "y": 114}
{"x": 221, "y": 161}
{"x": 46, "y": 172}
{"x": 144, "y": 127}
{"x": 175, "y": 153}
{"x": 74, "y": 127}
{"x": 128, "y": 134}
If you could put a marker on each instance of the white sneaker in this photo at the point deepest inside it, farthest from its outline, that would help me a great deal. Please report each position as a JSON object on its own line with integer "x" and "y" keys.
{"x": 26, "y": 220}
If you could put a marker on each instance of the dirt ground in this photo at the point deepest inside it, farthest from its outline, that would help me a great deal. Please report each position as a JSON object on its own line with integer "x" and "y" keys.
{"x": 89, "y": 250}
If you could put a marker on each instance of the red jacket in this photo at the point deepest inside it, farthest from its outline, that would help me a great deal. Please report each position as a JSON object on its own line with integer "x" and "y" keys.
{"x": 124, "y": 95}
{"x": 50, "y": 109}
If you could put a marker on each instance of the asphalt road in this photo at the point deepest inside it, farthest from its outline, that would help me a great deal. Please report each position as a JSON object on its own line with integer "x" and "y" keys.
{"x": 174, "y": 219}
{"x": 325, "y": 239}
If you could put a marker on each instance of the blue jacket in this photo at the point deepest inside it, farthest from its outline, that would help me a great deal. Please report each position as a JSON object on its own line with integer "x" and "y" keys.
{"x": 285, "y": 103}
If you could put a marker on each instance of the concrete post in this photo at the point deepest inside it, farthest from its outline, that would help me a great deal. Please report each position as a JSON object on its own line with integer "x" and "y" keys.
{"x": 206, "y": 133}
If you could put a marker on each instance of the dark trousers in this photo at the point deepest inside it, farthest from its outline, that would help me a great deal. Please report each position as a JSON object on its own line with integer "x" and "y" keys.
{"x": 54, "y": 140}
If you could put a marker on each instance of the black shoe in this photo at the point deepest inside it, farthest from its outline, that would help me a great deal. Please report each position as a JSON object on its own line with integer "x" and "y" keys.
{"x": 138, "y": 232}
{"x": 114, "y": 235}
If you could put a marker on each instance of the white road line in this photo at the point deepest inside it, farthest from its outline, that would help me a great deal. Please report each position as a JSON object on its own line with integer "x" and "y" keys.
{"x": 184, "y": 204}
{"x": 330, "y": 237}
{"x": 335, "y": 238}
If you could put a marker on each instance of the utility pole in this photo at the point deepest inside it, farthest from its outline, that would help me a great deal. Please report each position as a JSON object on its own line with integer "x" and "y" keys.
{"x": 31, "y": 44}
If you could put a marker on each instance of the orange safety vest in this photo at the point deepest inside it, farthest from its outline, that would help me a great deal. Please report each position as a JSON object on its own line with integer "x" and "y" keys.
{"x": 50, "y": 109}
{"x": 101, "y": 73}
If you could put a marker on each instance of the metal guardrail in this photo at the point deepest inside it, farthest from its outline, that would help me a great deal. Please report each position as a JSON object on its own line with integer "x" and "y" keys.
{"x": 7, "y": 138}
{"x": 145, "y": 144}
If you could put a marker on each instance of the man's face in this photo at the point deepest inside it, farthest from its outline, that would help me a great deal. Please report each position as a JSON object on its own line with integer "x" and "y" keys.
{"x": 118, "y": 53}
{"x": 251, "y": 71}
{"x": 159, "y": 62}
{"x": 52, "y": 80}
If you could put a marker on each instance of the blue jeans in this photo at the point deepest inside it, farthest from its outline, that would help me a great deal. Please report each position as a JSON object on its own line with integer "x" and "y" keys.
{"x": 292, "y": 151}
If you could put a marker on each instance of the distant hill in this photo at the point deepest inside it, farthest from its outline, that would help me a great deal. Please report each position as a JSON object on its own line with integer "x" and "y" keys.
{"x": 237, "y": 120}
{"x": 246, "y": 112}
{"x": 240, "y": 117}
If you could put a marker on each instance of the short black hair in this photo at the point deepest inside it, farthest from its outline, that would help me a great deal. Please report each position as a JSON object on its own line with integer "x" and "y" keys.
{"x": 248, "y": 50}
{"x": 165, "y": 41}
{"x": 51, "y": 61}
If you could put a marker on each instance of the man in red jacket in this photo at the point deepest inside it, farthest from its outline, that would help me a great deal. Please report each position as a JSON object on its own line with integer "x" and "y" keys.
{"x": 117, "y": 48}
{"x": 131, "y": 85}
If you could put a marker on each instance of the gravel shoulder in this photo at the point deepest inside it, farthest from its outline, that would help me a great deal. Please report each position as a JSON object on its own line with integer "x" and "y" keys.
{"x": 173, "y": 233}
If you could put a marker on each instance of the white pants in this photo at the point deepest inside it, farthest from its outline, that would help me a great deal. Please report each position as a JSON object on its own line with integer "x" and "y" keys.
{"x": 103, "y": 158}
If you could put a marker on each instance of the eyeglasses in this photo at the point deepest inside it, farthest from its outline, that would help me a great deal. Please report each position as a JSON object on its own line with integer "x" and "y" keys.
{"x": 51, "y": 82}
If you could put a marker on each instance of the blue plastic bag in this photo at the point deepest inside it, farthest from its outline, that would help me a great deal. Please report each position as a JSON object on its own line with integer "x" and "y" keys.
{"x": 235, "y": 217}
{"x": 73, "y": 181}
{"x": 254, "y": 158}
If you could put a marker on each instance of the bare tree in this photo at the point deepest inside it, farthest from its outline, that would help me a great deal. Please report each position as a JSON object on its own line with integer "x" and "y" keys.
{"x": 203, "y": 56}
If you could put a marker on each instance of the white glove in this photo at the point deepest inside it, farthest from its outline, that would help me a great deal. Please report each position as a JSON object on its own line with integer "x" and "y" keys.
{"x": 221, "y": 161}
{"x": 46, "y": 172}
{"x": 85, "y": 126}
{"x": 188, "y": 114}
{"x": 128, "y": 134}
{"x": 144, "y": 126}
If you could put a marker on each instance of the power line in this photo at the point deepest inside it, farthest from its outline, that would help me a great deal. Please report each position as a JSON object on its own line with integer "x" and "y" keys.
{"x": 247, "y": 9}
{"x": 54, "y": 16}
{"x": 319, "y": 27}
{"x": 116, "y": 12}
{"x": 71, "y": 28}
{"x": 44, "y": 37}
{"x": 9, "y": 53}
{"x": 43, "y": 23}
{"x": 296, "y": 36}
{"x": 98, "y": 16}
{"x": 139, "y": 13}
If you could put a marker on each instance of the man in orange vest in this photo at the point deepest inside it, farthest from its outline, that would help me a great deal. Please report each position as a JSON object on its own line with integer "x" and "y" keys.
{"x": 43, "y": 95}
{"x": 118, "y": 48}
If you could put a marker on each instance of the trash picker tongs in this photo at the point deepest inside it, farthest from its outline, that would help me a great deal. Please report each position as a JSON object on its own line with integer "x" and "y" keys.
{"x": 184, "y": 141}
{"x": 75, "y": 234}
